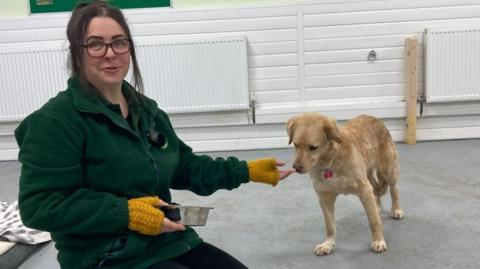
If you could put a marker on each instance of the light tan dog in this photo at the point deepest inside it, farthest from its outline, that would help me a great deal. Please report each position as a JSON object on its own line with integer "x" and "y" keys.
{"x": 359, "y": 158}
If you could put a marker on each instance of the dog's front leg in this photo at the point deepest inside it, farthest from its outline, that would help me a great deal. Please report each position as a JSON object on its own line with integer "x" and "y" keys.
{"x": 376, "y": 227}
{"x": 327, "y": 202}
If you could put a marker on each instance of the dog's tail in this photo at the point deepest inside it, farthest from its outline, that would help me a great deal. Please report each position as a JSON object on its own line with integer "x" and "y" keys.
{"x": 383, "y": 177}
{"x": 380, "y": 187}
{"x": 379, "y": 183}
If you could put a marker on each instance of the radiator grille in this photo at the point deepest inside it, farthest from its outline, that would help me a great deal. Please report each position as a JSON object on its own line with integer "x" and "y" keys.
{"x": 29, "y": 77}
{"x": 196, "y": 76}
{"x": 452, "y": 60}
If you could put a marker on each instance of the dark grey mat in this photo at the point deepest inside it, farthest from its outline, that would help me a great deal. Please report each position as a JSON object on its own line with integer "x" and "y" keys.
{"x": 17, "y": 254}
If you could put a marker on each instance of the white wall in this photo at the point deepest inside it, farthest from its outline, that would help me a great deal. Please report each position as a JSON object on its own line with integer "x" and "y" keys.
{"x": 17, "y": 8}
{"x": 302, "y": 57}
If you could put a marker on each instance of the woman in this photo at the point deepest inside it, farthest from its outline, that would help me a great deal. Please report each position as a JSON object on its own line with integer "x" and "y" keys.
{"x": 100, "y": 158}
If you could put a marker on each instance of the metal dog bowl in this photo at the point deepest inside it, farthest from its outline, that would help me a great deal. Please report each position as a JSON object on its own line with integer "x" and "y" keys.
{"x": 194, "y": 215}
{"x": 187, "y": 215}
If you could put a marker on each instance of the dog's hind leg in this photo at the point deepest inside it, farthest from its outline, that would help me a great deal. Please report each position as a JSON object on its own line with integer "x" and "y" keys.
{"x": 390, "y": 175}
{"x": 387, "y": 171}
{"x": 367, "y": 197}
{"x": 327, "y": 202}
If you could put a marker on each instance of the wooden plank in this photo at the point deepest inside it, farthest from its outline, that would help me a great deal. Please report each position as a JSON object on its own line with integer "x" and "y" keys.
{"x": 272, "y": 72}
{"x": 273, "y": 60}
{"x": 356, "y": 55}
{"x": 362, "y": 42}
{"x": 7, "y": 128}
{"x": 354, "y": 79}
{"x": 250, "y": 24}
{"x": 342, "y": 68}
{"x": 273, "y": 84}
{"x": 178, "y": 15}
{"x": 411, "y": 47}
{"x": 273, "y": 114}
{"x": 272, "y": 48}
{"x": 453, "y": 108}
{"x": 378, "y": 29}
{"x": 276, "y": 96}
{"x": 317, "y": 7}
{"x": 151, "y": 15}
{"x": 385, "y": 16}
{"x": 396, "y": 89}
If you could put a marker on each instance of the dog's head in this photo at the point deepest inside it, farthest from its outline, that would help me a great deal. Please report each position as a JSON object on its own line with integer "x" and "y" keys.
{"x": 312, "y": 136}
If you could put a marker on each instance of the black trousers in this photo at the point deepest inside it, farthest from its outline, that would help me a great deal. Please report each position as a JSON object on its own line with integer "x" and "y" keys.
{"x": 204, "y": 256}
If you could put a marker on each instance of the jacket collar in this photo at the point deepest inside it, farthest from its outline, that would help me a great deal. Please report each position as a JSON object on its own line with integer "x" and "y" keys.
{"x": 89, "y": 100}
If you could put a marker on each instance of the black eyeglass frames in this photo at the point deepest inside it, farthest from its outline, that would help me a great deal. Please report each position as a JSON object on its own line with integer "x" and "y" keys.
{"x": 98, "y": 48}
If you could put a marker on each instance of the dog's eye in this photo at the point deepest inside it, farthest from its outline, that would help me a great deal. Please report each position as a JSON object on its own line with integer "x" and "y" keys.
{"x": 312, "y": 148}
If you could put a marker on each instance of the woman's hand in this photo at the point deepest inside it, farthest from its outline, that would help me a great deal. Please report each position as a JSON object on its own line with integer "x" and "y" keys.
{"x": 170, "y": 226}
{"x": 284, "y": 173}
{"x": 265, "y": 171}
{"x": 145, "y": 217}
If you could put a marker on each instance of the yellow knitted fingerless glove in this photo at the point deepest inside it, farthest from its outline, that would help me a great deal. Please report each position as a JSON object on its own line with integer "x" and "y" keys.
{"x": 264, "y": 171}
{"x": 144, "y": 217}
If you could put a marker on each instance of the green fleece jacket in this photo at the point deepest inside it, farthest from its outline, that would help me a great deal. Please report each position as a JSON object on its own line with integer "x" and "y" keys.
{"x": 81, "y": 162}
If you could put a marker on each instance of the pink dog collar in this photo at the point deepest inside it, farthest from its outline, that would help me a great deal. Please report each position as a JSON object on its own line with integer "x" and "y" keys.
{"x": 328, "y": 174}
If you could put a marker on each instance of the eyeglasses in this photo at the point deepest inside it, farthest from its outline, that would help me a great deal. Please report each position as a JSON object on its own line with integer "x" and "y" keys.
{"x": 98, "y": 49}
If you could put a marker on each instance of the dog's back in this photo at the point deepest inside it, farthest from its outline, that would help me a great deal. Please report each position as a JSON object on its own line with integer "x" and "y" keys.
{"x": 371, "y": 127}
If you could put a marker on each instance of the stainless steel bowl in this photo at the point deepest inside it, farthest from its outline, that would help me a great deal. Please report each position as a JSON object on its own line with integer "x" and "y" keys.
{"x": 194, "y": 215}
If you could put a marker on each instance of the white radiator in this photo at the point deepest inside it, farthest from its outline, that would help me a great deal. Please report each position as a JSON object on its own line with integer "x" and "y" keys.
{"x": 29, "y": 76}
{"x": 452, "y": 64}
{"x": 196, "y": 76}
{"x": 182, "y": 76}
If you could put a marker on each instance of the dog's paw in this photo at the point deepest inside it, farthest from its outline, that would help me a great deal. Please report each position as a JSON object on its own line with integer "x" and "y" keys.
{"x": 397, "y": 213}
{"x": 324, "y": 248}
{"x": 379, "y": 246}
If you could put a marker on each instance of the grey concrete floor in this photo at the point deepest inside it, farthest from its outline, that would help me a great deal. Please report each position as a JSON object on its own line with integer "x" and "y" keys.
{"x": 267, "y": 227}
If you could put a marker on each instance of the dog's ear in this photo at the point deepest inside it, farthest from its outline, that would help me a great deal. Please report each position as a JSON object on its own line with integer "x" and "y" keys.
{"x": 331, "y": 130}
{"x": 291, "y": 128}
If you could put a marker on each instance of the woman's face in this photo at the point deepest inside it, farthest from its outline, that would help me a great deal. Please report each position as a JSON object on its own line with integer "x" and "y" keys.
{"x": 106, "y": 72}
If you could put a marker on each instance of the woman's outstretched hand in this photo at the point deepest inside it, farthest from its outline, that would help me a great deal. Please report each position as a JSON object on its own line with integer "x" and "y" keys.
{"x": 266, "y": 170}
{"x": 284, "y": 173}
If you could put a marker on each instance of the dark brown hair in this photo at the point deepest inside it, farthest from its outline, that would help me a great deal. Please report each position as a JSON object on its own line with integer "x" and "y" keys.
{"x": 77, "y": 30}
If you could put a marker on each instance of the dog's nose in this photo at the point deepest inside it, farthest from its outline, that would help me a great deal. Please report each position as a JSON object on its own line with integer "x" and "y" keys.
{"x": 298, "y": 167}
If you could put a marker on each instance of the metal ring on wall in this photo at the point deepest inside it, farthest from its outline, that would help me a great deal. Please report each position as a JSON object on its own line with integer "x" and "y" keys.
{"x": 372, "y": 56}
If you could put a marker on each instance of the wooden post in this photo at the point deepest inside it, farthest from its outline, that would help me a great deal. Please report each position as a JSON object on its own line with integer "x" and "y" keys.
{"x": 411, "y": 48}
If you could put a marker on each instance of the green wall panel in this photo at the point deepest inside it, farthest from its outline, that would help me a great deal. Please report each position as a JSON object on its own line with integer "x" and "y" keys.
{"x": 42, "y": 6}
